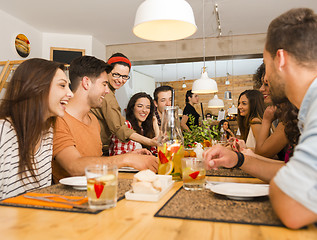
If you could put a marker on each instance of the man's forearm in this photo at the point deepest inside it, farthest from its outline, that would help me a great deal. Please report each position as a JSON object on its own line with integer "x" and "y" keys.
{"x": 261, "y": 167}
{"x": 292, "y": 213}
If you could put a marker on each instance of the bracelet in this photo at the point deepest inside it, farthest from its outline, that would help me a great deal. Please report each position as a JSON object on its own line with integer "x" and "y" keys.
{"x": 240, "y": 159}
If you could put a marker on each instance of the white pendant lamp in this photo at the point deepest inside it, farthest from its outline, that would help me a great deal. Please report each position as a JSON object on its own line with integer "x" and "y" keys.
{"x": 204, "y": 84}
{"x": 164, "y": 20}
{"x": 216, "y": 103}
{"x": 232, "y": 110}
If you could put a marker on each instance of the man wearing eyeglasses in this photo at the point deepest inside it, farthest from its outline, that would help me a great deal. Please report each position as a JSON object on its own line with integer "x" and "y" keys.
{"x": 109, "y": 114}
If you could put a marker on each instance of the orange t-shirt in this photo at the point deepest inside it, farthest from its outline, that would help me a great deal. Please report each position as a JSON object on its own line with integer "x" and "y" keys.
{"x": 69, "y": 131}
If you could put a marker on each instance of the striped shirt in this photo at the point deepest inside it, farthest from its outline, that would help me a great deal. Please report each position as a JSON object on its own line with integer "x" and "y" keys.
{"x": 11, "y": 184}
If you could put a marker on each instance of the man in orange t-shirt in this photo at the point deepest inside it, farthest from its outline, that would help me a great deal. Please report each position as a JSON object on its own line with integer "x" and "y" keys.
{"x": 77, "y": 140}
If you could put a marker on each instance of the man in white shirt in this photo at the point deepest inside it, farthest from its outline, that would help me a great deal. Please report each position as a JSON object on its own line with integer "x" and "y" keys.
{"x": 290, "y": 58}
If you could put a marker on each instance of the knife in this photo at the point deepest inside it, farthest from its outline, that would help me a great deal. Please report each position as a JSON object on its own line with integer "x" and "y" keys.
{"x": 54, "y": 201}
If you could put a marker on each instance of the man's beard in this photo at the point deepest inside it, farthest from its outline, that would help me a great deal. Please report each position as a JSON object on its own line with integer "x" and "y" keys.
{"x": 278, "y": 98}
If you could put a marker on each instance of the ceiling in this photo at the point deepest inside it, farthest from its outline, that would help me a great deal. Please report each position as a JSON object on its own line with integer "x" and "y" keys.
{"x": 111, "y": 21}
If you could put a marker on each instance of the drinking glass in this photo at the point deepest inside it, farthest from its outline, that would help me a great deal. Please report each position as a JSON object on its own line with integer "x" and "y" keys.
{"x": 102, "y": 185}
{"x": 194, "y": 173}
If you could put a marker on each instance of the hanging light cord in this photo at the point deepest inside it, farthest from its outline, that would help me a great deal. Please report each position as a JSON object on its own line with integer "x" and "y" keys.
{"x": 232, "y": 68}
{"x": 204, "y": 36}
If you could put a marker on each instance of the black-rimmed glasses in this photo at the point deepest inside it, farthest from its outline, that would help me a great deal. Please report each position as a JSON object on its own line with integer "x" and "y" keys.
{"x": 118, "y": 75}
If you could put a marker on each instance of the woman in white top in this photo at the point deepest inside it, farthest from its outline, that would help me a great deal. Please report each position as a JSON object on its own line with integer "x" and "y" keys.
{"x": 250, "y": 114}
{"x": 36, "y": 94}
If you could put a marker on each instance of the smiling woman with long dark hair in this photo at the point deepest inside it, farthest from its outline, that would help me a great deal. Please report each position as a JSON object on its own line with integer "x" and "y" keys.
{"x": 36, "y": 94}
{"x": 250, "y": 114}
{"x": 140, "y": 113}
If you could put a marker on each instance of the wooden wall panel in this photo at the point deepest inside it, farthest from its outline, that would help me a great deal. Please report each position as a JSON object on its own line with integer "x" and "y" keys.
{"x": 237, "y": 85}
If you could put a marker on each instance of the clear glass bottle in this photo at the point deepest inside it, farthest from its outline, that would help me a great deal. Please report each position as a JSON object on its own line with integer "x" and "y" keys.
{"x": 223, "y": 137}
{"x": 170, "y": 144}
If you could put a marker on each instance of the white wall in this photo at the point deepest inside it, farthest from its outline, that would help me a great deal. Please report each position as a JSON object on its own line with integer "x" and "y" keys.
{"x": 10, "y": 28}
{"x": 98, "y": 49}
{"x": 91, "y": 45}
{"x": 143, "y": 83}
{"x": 41, "y": 43}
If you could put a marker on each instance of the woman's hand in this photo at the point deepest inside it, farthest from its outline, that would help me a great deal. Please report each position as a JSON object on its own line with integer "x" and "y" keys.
{"x": 142, "y": 151}
{"x": 237, "y": 144}
{"x": 269, "y": 114}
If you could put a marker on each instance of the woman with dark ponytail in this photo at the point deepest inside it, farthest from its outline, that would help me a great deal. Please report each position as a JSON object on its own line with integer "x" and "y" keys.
{"x": 190, "y": 111}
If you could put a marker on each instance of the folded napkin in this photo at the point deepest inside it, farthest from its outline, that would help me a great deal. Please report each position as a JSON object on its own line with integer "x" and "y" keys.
{"x": 27, "y": 201}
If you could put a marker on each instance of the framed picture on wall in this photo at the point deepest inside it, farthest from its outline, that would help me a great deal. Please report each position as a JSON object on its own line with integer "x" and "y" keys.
{"x": 65, "y": 55}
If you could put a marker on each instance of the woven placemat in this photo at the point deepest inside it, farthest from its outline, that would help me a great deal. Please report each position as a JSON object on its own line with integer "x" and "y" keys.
{"x": 124, "y": 185}
{"x": 204, "y": 205}
{"x": 228, "y": 172}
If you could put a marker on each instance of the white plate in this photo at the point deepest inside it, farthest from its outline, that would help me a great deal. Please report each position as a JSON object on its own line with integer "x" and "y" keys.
{"x": 128, "y": 169}
{"x": 240, "y": 191}
{"x": 79, "y": 183}
{"x": 167, "y": 184}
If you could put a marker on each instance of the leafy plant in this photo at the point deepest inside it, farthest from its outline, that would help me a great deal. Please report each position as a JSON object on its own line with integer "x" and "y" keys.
{"x": 199, "y": 134}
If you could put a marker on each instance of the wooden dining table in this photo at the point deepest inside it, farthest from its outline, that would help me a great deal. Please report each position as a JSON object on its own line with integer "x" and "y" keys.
{"x": 135, "y": 220}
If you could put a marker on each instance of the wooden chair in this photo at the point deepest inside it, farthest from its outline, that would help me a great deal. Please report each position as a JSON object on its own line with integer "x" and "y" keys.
{"x": 8, "y": 66}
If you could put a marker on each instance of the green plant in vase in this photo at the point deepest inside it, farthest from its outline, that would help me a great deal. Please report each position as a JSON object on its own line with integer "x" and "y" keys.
{"x": 203, "y": 134}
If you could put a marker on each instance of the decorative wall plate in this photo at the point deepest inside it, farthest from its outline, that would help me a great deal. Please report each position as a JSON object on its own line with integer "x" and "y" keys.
{"x": 22, "y": 45}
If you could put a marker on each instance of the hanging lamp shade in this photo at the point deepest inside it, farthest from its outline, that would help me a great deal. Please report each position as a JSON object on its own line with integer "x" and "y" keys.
{"x": 180, "y": 112}
{"x": 216, "y": 103}
{"x": 204, "y": 84}
{"x": 164, "y": 20}
{"x": 233, "y": 110}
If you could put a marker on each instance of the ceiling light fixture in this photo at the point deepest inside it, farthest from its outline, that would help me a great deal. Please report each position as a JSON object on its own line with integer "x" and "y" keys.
{"x": 164, "y": 20}
{"x": 216, "y": 103}
{"x": 232, "y": 110}
{"x": 204, "y": 84}
{"x": 184, "y": 84}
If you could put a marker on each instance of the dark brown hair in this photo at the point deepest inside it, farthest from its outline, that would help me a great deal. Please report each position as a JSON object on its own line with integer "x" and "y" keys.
{"x": 256, "y": 108}
{"x": 287, "y": 114}
{"x": 120, "y": 62}
{"x": 296, "y": 32}
{"x": 25, "y": 105}
{"x": 164, "y": 88}
{"x": 259, "y": 76}
{"x": 88, "y": 66}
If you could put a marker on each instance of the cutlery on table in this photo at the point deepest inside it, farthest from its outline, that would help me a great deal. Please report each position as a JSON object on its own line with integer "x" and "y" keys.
{"x": 65, "y": 198}
{"x": 54, "y": 201}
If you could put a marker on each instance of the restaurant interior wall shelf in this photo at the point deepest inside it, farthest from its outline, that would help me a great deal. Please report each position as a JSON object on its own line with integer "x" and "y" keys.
{"x": 164, "y": 20}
